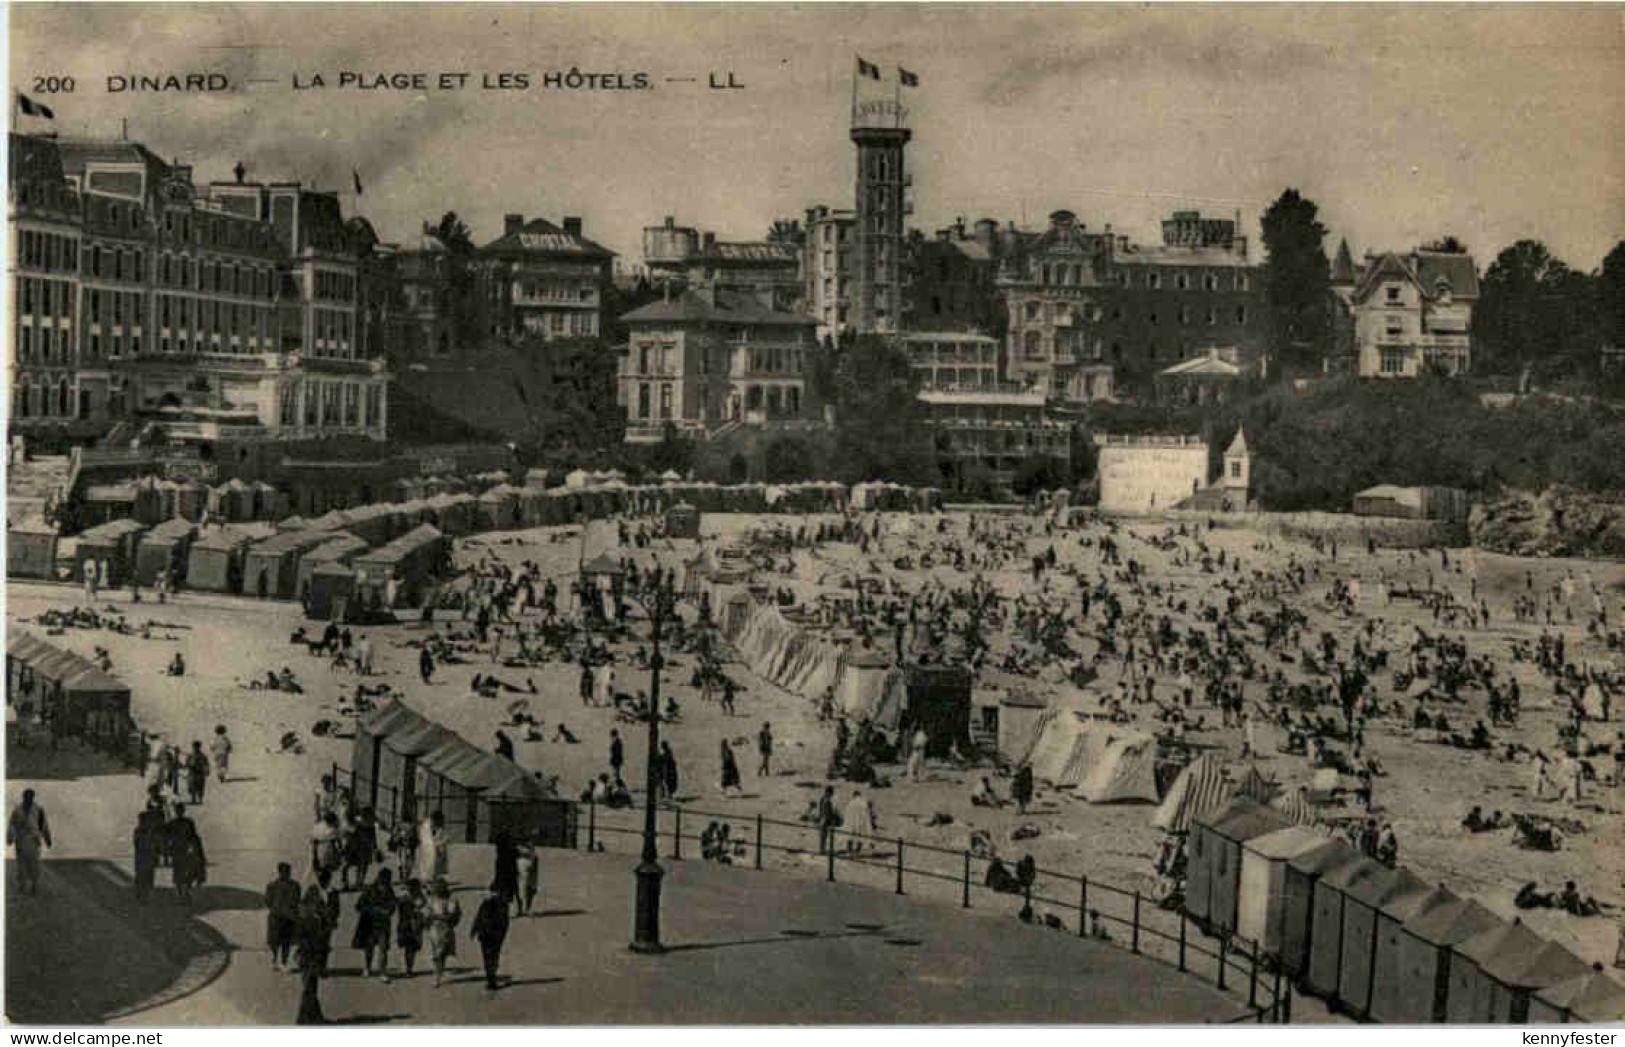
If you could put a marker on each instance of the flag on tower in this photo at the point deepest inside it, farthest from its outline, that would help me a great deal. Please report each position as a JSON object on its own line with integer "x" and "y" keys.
{"x": 33, "y": 108}
{"x": 357, "y": 176}
{"x": 865, "y": 69}
{"x": 908, "y": 79}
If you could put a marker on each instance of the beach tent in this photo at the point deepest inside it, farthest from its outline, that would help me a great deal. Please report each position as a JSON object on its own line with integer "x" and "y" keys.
{"x": 1493, "y": 975}
{"x": 1213, "y": 868}
{"x": 164, "y": 548}
{"x": 331, "y": 591}
{"x": 292, "y": 523}
{"x": 112, "y": 543}
{"x": 938, "y": 698}
{"x": 31, "y": 549}
{"x": 1400, "y": 894}
{"x": 271, "y": 566}
{"x": 1201, "y": 787}
{"x": 340, "y": 547}
{"x": 215, "y": 560}
{"x": 498, "y": 509}
{"x": 1297, "y": 806}
{"x": 682, "y": 521}
{"x": 1593, "y": 997}
{"x": 410, "y": 561}
{"x": 1413, "y": 957}
{"x": 268, "y": 502}
{"x": 1022, "y": 716}
{"x": 1126, "y": 771}
{"x": 1261, "y": 902}
{"x": 1325, "y": 972}
{"x": 862, "y": 692}
{"x": 76, "y": 697}
{"x": 1255, "y": 786}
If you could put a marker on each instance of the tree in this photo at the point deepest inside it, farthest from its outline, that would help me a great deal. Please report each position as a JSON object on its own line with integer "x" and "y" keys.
{"x": 674, "y": 452}
{"x": 1535, "y": 314}
{"x": 568, "y": 388}
{"x": 1446, "y": 244}
{"x": 880, "y": 422}
{"x": 1611, "y": 297}
{"x": 789, "y": 458}
{"x": 1297, "y": 280}
{"x": 452, "y": 232}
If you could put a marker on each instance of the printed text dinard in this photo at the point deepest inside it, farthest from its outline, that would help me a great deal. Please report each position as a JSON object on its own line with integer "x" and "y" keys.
{"x": 405, "y": 81}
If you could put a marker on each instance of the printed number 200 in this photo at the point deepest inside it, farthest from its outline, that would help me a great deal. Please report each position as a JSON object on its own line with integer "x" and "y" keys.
{"x": 53, "y": 85}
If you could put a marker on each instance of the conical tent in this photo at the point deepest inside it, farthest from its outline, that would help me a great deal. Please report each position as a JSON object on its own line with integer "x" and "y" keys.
{"x": 1201, "y": 787}
{"x": 1125, "y": 772}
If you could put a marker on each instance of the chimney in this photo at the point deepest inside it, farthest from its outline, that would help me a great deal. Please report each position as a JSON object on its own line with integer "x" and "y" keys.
{"x": 512, "y": 223}
{"x": 572, "y": 225}
{"x": 708, "y": 241}
{"x": 671, "y": 221}
{"x": 240, "y": 171}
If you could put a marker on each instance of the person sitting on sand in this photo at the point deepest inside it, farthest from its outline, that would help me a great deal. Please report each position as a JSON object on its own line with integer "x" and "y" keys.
{"x": 984, "y": 796}
{"x": 177, "y": 666}
{"x": 562, "y": 733}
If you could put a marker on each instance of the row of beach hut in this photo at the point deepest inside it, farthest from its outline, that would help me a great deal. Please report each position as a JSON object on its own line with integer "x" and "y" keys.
{"x": 1378, "y": 943}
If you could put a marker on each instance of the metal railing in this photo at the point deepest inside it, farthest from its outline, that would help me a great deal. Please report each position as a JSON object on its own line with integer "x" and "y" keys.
{"x": 1125, "y": 918}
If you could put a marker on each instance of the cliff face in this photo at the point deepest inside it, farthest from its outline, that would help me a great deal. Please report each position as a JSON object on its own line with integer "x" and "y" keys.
{"x": 1557, "y": 521}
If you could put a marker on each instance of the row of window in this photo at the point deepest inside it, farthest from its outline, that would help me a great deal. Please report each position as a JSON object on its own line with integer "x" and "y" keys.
{"x": 1184, "y": 281}
{"x": 218, "y": 277}
{"x": 36, "y": 296}
{"x": 320, "y": 403}
{"x": 43, "y": 400}
{"x": 562, "y": 324}
{"x": 214, "y": 316}
{"x": 334, "y": 287}
{"x": 217, "y": 231}
{"x": 539, "y": 291}
{"x": 51, "y": 252}
{"x": 1065, "y": 312}
{"x": 333, "y": 331}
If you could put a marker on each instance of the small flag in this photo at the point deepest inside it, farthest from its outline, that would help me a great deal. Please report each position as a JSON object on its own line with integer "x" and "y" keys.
{"x": 865, "y": 69}
{"x": 33, "y": 108}
{"x": 357, "y": 176}
{"x": 908, "y": 79}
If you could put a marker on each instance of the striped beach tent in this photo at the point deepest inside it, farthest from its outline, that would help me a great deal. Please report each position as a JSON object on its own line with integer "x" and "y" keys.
{"x": 1201, "y": 787}
{"x": 1297, "y": 806}
{"x": 1255, "y": 786}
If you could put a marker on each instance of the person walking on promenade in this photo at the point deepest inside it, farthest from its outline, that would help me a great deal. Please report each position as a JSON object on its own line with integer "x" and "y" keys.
{"x": 375, "y": 909}
{"x": 315, "y": 928}
{"x": 220, "y": 750}
{"x": 281, "y": 915}
{"x": 409, "y": 925}
{"x": 190, "y": 864}
{"x": 431, "y": 853}
{"x": 505, "y": 869}
{"x": 426, "y": 664}
{"x": 197, "y": 773}
{"x": 764, "y": 749}
{"x": 146, "y": 844}
{"x": 360, "y": 849}
{"x": 529, "y": 876}
{"x": 441, "y": 916}
{"x": 490, "y": 929}
{"x": 617, "y": 752}
{"x": 28, "y": 831}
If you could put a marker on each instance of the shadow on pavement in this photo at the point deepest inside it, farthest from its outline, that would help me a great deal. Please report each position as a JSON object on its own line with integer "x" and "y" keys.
{"x": 783, "y": 938}
{"x": 123, "y": 957}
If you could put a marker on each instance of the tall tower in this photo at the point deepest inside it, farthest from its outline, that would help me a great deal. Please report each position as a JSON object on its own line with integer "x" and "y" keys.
{"x": 880, "y": 213}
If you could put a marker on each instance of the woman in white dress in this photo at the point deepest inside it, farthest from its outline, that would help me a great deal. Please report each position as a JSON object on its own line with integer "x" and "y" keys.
{"x": 431, "y": 859}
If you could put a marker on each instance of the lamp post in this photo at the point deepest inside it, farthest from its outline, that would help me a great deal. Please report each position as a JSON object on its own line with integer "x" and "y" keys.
{"x": 660, "y": 604}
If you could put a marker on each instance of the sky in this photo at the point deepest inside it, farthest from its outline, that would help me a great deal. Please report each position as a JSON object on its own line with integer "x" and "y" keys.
{"x": 1403, "y": 122}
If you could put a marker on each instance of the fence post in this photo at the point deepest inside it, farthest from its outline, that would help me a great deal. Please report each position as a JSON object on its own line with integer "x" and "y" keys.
{"x": 966, "y": 902}
{"x": 1221, "y": 962}
{"x": 677, "y": 833}
{"x": 899, "y": 865}
{"x": 1287, "y": 1008}
{"x": 592, "y": 825}
{"x": 1275, "y": 996}
{"x": 1182, "y": 940}
{"x": 1252, "y": 977}
{"x": 758, "y": 840}
{"x": 1135, "y": 947}
{"x": 831, "y": 873}
{"x": 1083, "y": 909}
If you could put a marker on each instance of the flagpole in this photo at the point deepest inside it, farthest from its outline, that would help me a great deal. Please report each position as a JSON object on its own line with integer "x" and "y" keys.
{"x": 853, "y": 116}
{"x": 897, "y": 102}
